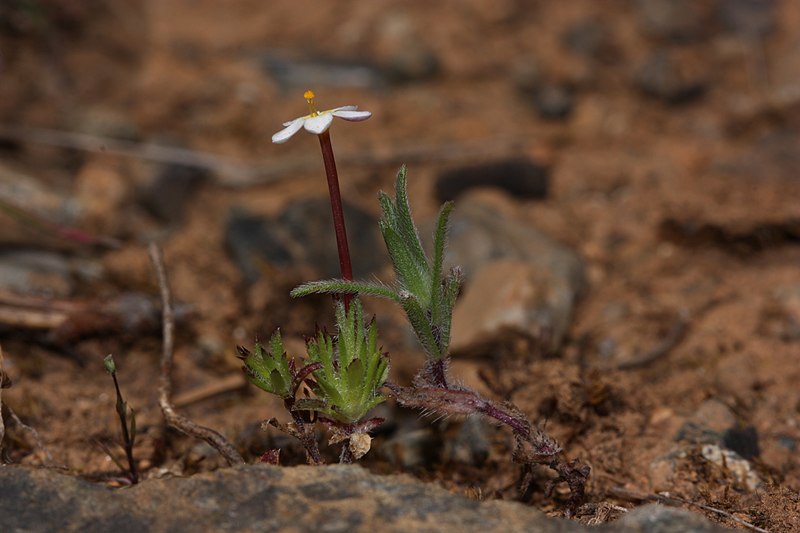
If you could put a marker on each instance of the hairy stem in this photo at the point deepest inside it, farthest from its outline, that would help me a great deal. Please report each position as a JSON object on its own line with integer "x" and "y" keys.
{"x": 306, "y": 437}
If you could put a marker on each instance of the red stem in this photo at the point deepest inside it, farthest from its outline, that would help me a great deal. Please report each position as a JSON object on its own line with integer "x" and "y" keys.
{"x": 337, "y": 210}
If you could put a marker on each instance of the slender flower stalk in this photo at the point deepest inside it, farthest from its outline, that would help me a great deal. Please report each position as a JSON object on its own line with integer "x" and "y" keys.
{"x": 337, "y": 209}
{"x": 318, "y": 122}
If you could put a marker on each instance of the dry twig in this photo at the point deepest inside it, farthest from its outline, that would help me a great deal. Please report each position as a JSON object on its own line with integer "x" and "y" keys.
{"x": 238, "y": 174}
{"x": 675, "y": 501}
{"x": 173, "y": 419}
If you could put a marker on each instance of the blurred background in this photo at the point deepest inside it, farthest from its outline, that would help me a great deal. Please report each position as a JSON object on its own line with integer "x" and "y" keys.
{"x": 626, "y": 174}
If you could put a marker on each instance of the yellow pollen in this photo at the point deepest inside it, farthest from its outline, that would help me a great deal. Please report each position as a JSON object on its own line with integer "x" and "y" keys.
{"x": 309, "y": 96}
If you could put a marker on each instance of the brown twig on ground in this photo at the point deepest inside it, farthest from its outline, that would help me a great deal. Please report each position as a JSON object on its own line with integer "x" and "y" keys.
{"x": 67, "y": 321}
{"x": 674, "y": 337}
{"x": 53, "y": 229}
{"x": 173, "y": 419}
{"x": 667, "y": 499}
{"x": 239, "y": 174}
{"x": 666, "y": 345}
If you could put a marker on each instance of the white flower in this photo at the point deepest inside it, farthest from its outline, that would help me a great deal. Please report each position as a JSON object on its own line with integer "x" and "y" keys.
{"x": 318, "y": 122}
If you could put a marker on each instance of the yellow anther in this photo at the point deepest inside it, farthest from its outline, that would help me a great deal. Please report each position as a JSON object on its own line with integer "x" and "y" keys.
{"x": 309, "y": 96}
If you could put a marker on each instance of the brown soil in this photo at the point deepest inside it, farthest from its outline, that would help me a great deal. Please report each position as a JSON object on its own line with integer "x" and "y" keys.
{"x": 687, "y": 217}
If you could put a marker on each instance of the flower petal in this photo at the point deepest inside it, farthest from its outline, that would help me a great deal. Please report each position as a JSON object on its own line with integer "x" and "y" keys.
{"x": 318, "y": 124}
{"x": 286, "y": 133}
{"x": 352, "y": 115}
{"x": 343, "y": 108}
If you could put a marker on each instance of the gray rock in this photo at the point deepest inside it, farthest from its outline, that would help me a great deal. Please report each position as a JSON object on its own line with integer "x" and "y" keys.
{"x": 742, "y": 471}
{"x": 171, "y": 189}
{"x": 412, "y": 63}
{"x": 668, "y": 77}
{"x": 520, "y": 177}
{"x": 303, "y": 234}
{"x": 36, "y": 272}
{"x": 290, "y": 73}
{"x": 748, "y": 18}
{"x": 589, "y": 38}
{"x": 553, "y": 101}
{"x": 708, "y": 423}
{"x": 266, "y": 498}
{"x": 675, "y": 20}
{"x": 525, "y": 283}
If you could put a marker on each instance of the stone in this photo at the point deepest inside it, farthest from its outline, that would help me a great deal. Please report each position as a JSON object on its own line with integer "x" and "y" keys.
{"x": 170, "y": 191}
{"x": 412, "y": 63}
{"x": 671, "y": 77}
{"x": 731, "y": 462}
{"x": 303, "y": 235}
{"x": 590, "y": 38}
{"x": 248, "y": 236}
{"x": 676, "y": 20}
{"x": 520, "y": 177}
{"x": 708, "y": 423}
{"x": 291, "y": 73}
{"x": 553, "y": 101}
{"x": 308, "y": 222}
{"x": 508, "y": 262}
{"x": 36, "y": 272}
{"x": 504, "y": 298}
{"x": 30, "y": 194}
{"x": 748, "y": 18}
{"x": 343, "y": 498}
{"x": 661, "y": 471}
{"x": 743, "y": 441}
{"x": 471, "y": 442}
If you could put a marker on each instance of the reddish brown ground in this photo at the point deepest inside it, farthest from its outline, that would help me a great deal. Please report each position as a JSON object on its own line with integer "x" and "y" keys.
{"x": 622, "y": 165}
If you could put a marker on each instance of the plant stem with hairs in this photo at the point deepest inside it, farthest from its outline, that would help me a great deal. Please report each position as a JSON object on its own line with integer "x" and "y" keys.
{"x": 427, "y": 295}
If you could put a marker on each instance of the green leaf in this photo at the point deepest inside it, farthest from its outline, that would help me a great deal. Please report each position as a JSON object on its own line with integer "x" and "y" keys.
{"x": 438, "y": 302}
{"x": 421, "y": 325}
{"x": 342, "y": 286}
{"x": 355, "y": 376}
{"x": 413, "y": 277}
{"x": 451, "y": 286}
{"x": 405, "y": 224}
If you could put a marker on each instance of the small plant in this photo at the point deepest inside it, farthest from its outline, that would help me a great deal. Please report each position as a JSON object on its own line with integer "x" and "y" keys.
{"x": 346, "y": 372}
{"x": 127, "y": 420}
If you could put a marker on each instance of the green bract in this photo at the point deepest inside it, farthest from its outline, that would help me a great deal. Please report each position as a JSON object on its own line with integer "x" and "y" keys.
{"x": 353, "y": 369}
{"x": 270, "y": 369}
{"x": 425, "y": 292}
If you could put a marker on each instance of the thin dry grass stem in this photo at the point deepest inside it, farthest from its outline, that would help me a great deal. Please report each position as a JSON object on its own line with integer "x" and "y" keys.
{"x": 240, "y": 174}
{"x": 173, "y": 419}
{"x": 676, "y": 501}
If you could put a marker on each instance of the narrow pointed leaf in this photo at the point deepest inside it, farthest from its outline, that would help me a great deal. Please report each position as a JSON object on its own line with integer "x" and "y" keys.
{"x": 341, "y": 286}
{"x": 421, "y": 325}
{"x": 414, "y": 278}
{"x": 405, "y": 224}
{"x": 439, "y": 239}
